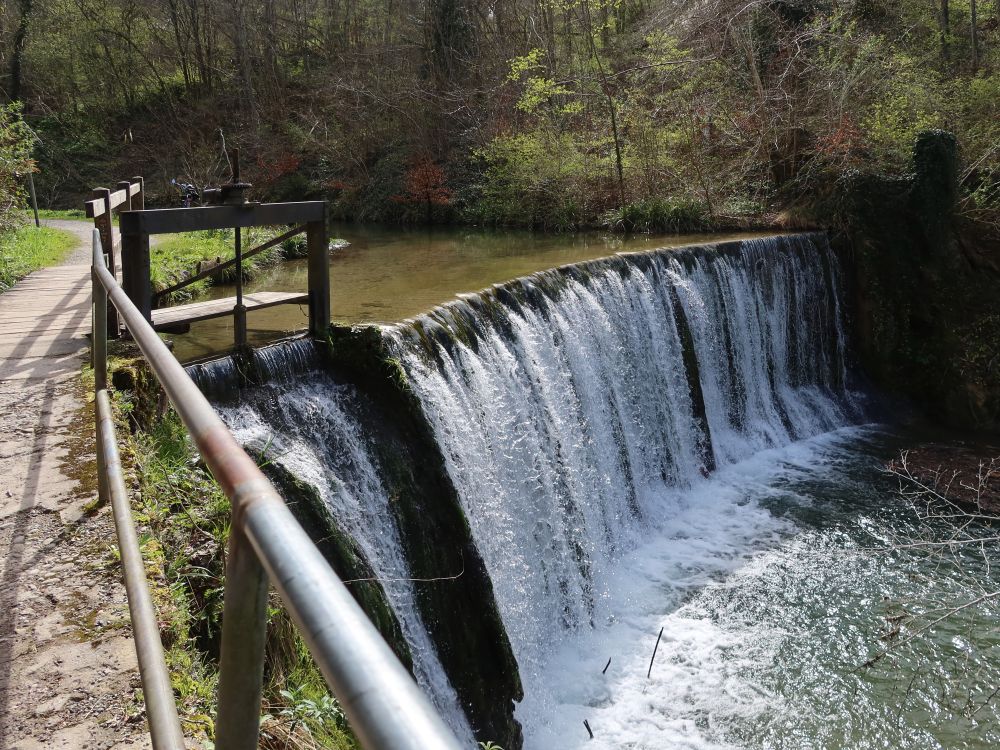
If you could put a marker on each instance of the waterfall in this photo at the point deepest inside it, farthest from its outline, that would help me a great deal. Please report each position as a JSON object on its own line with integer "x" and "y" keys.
{"x": 311, "y": 427}
{"x": 575, "y": 412}
{"x": 572, "y": 404}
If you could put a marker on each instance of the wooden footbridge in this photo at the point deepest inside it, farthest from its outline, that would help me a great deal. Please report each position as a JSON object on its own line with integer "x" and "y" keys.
{"x": 128, "y": 254}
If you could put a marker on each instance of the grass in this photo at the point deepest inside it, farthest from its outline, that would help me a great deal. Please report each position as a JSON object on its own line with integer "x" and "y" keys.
{"x": 28, "y": 248}
{"x": 183, "y": 520}
{"x": 176, "y": 256}
{"x": 659, "y": 215}
{"x": 75, "y": 214}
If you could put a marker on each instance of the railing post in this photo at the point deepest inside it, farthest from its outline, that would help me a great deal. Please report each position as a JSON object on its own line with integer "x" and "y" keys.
{"x": 126, "y": 185}
{"x": 244, "y": 632}
{"x": 139, "y": 199}
{"x": 99, "y": 355}
{"x": 105, "y": 225}
{"x": 135, "y": 272}
{"x": 319, "y": 278}
{"x": 100, "y": 335}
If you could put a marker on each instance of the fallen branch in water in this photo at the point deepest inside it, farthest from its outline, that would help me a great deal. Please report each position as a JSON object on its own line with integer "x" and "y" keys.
{"x": 650, "y": 670}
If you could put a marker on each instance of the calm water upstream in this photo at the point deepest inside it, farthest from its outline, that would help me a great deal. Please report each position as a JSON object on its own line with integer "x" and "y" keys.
{"x": 391, "y": 273}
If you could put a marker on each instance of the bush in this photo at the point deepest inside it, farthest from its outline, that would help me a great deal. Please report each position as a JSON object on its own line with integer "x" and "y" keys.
{"x": 15, "y": 163}
{"x": 176, "y": 256}
{"x": 533, "y": 179}
{"x": 659, "y": 215}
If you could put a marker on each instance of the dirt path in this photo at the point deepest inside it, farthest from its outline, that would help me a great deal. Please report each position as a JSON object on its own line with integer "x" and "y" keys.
{"x": 68, "y": 676}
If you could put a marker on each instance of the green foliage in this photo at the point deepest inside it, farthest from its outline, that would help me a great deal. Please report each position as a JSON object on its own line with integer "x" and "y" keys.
{"x": 534, "y": 179}
{"x": 15, "y": 164}
{"x": 71, "y": 214}
{"x": 28, "y": 248}
{"x": 659, "y": 215}
{"x": 592, "y": 106}
{"x": 294, "y": 247}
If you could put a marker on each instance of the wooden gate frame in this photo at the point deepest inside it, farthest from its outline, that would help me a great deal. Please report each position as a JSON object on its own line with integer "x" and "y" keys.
{"x": 136, "y": 224}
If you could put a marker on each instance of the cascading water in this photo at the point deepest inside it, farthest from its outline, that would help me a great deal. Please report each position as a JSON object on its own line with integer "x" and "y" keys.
{"x": 634, "y": 443}
{"x": 576, "y": 407}
{"x": 311, "y": 429}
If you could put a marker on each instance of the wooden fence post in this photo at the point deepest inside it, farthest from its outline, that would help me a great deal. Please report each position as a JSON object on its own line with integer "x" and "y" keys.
{"x": 319, "y": 278}
{"x": 139, "y": 199}
{"x": 126, "y": 185}
{"x": 105, "y": 226}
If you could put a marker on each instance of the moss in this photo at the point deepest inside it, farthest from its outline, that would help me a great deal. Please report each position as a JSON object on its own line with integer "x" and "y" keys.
{"x": 456, "y": 601}
{"x": 343, "y": 554}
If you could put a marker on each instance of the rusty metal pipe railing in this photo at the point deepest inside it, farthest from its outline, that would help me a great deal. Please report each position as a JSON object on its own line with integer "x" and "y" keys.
{"x": 385, "y": 707}
{"x": 161, "y": 711}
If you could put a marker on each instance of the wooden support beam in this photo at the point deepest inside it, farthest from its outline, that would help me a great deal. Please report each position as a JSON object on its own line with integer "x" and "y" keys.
{"x": 172, "y": 220}
{"x": 135, "y": 272}
{"x": 94, "y": 208}
{"x": 319, "y": 277}
{"x": 174, "y": 318}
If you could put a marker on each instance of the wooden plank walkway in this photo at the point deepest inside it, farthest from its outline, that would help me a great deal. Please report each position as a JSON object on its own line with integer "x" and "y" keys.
{"x": 67, "y": 662}
{"x": 179, "y": 318}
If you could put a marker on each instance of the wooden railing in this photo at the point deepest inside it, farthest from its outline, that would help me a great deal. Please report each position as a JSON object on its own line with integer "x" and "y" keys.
{"x": 129, "y": 196}
{"x": 128, "y": 256}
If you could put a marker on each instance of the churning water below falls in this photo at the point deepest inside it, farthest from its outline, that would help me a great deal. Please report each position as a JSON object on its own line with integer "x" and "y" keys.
{"x": 671, "y": 440}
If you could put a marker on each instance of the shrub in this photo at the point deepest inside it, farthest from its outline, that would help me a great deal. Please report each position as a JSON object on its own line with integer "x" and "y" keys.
{"x": 659, "y": 215}
{"x": 15, "y": 163}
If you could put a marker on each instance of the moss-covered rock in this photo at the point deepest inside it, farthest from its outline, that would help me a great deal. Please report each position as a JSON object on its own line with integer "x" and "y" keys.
{"x": 343, "y": 554}
{"x": 454, "y": 591}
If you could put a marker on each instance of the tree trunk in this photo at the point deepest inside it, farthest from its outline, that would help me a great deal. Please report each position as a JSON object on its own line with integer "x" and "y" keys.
{"x": 974, "y": 23}
{"x": 20, "y": 37}
{"x": 945, "y": 21}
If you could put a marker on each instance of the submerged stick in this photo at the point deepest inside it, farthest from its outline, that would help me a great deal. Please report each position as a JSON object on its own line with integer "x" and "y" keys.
{"x": 605, "y": 670}
{"x": 589, "y": 730}
{"x": 650, "y": 670}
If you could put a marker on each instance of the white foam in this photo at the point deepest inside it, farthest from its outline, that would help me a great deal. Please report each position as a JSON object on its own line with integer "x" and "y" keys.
{"x": 716, "y": 533}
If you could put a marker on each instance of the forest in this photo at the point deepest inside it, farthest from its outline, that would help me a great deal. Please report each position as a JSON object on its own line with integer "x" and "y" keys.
{"x": 600, "y": 449}
{"x": 556, "y": 114}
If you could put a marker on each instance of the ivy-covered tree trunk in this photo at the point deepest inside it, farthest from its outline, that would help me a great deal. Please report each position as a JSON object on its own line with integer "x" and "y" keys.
{"x": 17, "y": 57}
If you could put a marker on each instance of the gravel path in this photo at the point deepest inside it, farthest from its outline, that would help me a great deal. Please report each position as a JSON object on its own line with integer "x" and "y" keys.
{"x": 68, "y": 675}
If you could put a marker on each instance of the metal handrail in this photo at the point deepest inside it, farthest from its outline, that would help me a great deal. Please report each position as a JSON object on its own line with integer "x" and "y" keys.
{"x": 385, "y": 707}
